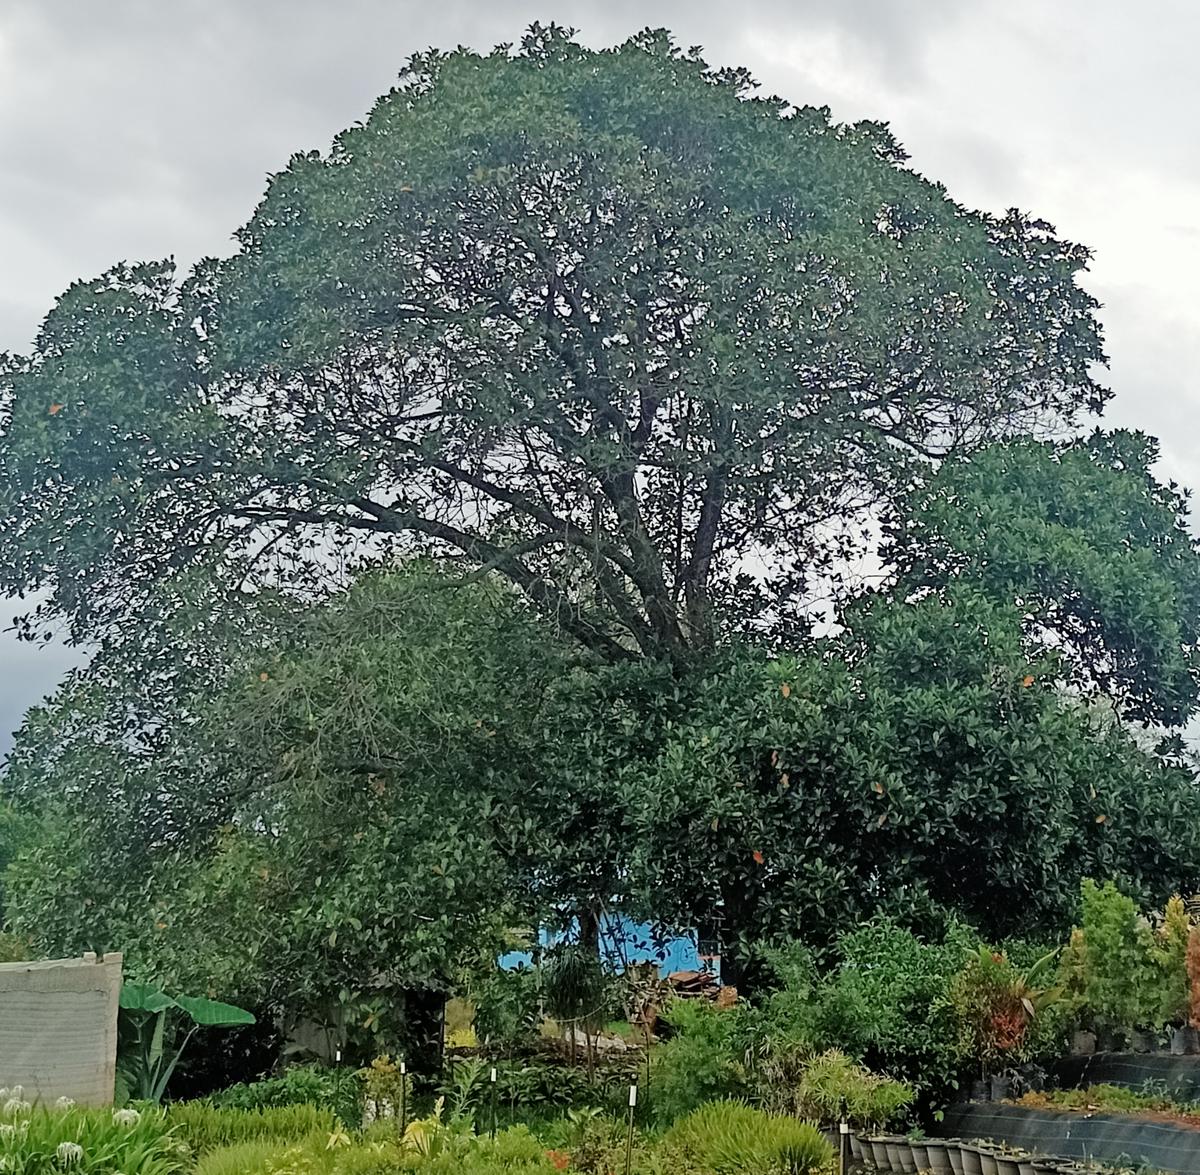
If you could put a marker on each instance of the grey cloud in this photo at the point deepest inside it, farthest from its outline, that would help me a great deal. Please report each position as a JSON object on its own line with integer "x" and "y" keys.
{"x": 135, "y": 129}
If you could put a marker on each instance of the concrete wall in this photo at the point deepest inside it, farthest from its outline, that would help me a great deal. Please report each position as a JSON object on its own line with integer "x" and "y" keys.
{"x": 58, "y": 1028}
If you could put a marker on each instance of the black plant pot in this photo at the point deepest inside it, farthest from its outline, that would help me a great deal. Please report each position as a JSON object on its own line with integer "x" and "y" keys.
{"x": 1083, "y": 1044}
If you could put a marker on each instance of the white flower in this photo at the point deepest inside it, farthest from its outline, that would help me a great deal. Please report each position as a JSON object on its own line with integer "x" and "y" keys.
{"x": 15, "y": 1106}
{"x": 7, "y": 1130}
{"x": 17, "y": 1091}
{"x": 64, "y": 1103}
{"x": 69, "y": 1152}
{"x": 126, "y": 1117}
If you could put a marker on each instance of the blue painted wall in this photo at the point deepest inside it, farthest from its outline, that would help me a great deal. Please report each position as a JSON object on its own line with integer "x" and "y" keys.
{"x": 624, "y": 941}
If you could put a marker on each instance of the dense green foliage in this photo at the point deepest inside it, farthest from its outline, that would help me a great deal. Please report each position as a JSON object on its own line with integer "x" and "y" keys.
{"x": 336, "y": 1089}
{"x": 385, "y": 728}
{"x": 730, "y": 1137}
{"x": 452, "y": 550}
{"x": 39, "y": 1140}
{"x": 1097, "y": 552}
{"x": 205, "y": 1127}
{"x": 604, "y": 321}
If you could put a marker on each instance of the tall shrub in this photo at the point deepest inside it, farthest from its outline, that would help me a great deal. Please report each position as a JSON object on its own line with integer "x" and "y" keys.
{"x": 1121, "y": 989}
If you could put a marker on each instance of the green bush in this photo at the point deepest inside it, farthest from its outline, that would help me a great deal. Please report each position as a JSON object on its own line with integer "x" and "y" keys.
{"x": 339, "y": 1090}
{"x": 832, "y": 1080}
{"x": 704, "y": 1060}
{"x": 904, "y": 982}
{"x": 1121, "y": 985}
{"x": 507, "y": 1006}
{"x": 724, "y": 1138}
{"x": 44, "y": 1141}
{"x": 204, "y": 1127}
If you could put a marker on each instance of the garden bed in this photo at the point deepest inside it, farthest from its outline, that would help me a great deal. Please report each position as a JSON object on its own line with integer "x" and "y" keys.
{"x": 1177, "y": 1076}
{"x": 1112, "y": 1138}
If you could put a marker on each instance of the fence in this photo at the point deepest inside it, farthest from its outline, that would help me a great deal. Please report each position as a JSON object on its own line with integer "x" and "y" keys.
{"x": 58, "y": 1028}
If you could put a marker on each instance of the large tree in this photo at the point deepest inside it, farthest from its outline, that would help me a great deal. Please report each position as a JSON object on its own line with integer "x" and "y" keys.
{"x": 418, "y": 757}
{"x": 646, "y": 343}
{"x": 334, "y": 814}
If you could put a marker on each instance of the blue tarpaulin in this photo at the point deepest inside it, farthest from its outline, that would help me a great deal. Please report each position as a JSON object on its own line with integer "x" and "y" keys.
{"x": 623, "y": 941}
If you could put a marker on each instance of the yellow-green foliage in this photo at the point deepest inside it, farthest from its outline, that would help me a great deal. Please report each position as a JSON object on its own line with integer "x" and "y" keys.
{"x": 833, "y": 1079}
{"x": 726, "y": 1138}
{"x": 205, "y": 1127}
{"x": 513, "y": 1152}
{"x": 1170, "y": 953}
{"x": 244, "y": 1158}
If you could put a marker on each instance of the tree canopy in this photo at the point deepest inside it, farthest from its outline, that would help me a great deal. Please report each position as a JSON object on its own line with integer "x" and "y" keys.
{"x": 448, "y": 550}
{"x": 643, "y": 341}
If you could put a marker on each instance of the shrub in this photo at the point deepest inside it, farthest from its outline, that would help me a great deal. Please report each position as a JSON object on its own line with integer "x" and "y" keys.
{"x": 704, "y": 1060}
{"x": 1170, "y": 956}
{"x": 903, "y": 982}
{"x": 507, "y": 1006}
{"x": 1120, "y": 988}
{"x": 43, "y": 1141}
{"x": 728, "y": 1137}
{"x": 339, "y": 1090}
{"x": 205, "y": 1127}
{"x": 833, "y": 1079}
{"x": 387, "y": 1089}
{"x": 1193, "y": 971}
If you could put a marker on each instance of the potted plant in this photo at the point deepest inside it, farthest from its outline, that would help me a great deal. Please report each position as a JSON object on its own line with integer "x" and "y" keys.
{"x": 1124, "y": 978}
{"x": 993, "y": 1006}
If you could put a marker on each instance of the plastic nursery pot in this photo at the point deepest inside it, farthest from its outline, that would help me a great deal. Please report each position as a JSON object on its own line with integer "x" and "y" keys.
{"x": 1007, "y": 1164}
{"x": 936, "y": 1158}
{"x": 1083, "y": 1044}
{"x": 972, "y": 1161}
{"x": 920, "y": 1154}
{"x": 955, "y": 1155}
{"x": 1180, "y": 1044}
{"x": 902, "y": 1155}
{"x": 989, "y": 1161}
{"x": 1025, "y": 1163}
{"x": 876, "y": 1147}
{"x": 1045, "y": 1165}
{"x": 1141, "y": 1042}
{"x": 857, "y": 1149}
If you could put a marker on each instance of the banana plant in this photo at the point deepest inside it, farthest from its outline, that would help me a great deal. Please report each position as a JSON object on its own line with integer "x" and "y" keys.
{"x": 145, "y": 1062}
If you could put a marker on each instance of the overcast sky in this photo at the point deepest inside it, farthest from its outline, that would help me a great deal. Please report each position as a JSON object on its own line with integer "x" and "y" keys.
{"x": 139, "y": 129}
